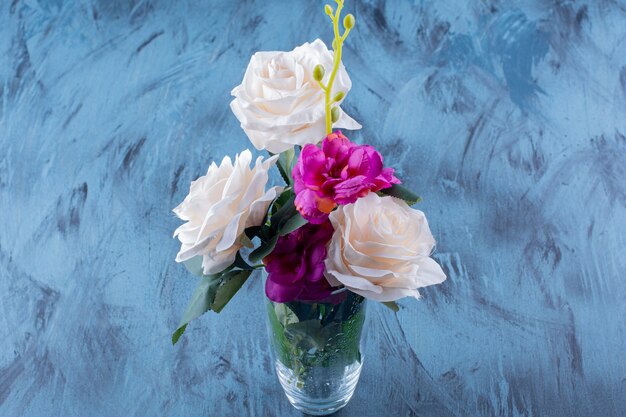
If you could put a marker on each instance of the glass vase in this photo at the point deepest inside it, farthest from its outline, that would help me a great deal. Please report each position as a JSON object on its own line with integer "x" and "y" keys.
{"x": 317, "y": 350}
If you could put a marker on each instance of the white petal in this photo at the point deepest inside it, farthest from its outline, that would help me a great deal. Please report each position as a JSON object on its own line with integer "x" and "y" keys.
{"x": 355, "y": 283}
{"x": 429, "y": 273}
{"x": 231, "y": 233}
{"x": 215, "y": 263}
{"x": 388, "y": 294}
{"x": 346, "y": 122}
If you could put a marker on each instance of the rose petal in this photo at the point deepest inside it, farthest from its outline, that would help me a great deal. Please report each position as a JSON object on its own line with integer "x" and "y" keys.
{"x": 219, "y": 207}
{"x": 393, "y": 265}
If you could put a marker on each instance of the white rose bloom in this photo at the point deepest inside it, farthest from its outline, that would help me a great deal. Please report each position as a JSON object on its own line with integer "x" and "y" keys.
{"x": 220, "y": 206}
{"x": 280, "y": 105}
{"x": 380, "y": 249}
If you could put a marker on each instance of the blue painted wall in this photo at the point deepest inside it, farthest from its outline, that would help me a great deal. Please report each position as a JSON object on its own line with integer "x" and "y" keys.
{"x": 508, "y": 117}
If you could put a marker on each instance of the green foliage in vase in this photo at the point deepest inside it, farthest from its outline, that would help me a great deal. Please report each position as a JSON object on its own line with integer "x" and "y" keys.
{"x": 308, "y": 335}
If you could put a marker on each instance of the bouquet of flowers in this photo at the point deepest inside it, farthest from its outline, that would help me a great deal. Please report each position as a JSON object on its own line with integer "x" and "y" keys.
{"x": 340, "y": 230}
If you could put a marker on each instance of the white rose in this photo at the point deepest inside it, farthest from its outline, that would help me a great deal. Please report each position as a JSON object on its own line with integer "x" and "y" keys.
{"x": 380, "y": 249}
{"x": 219, "y": 207}
{"x": 280, "y": 105}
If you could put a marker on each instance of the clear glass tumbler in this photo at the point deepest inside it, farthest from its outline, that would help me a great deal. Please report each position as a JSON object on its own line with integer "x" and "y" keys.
{"x": 317, "y": 349}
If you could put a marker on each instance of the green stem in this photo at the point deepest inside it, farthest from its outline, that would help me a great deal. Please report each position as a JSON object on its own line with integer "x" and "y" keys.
{"x": 336, "y": 61}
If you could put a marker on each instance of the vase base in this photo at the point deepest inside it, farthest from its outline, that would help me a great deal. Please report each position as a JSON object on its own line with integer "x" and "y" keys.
{"x": 319, "y": 396}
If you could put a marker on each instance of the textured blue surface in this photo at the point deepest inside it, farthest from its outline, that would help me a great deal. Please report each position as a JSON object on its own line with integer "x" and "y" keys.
{"x": 508, "y": 117}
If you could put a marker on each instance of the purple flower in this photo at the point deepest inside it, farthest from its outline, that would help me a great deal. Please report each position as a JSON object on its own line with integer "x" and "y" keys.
{"x": 296, "y": 265}
{"x": 338, "y": 173}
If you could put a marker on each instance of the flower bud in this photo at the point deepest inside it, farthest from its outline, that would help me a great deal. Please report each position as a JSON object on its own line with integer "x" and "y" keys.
{"x": 329, "y": 10}
{"x": 349, "y": 21}
{"x": 318, "y": 72}
{"x": 339, "y": 96}
{"x": 334, "y": 114}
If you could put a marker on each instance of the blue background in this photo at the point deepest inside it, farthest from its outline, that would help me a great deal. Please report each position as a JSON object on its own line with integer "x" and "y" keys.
{"x": 507, "y": 117}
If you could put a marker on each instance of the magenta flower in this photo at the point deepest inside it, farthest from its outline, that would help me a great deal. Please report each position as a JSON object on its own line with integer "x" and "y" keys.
{"x": 338, "y": 173}
{"x": 296, "y": 265}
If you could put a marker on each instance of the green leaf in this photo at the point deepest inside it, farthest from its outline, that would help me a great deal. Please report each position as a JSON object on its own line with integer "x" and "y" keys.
{"x": 241, "y": 264}
{"x": 279, "y": 340}
{"x": 194, "y": 265}
{"x": 262, "y": 251}
{"x": 178, "y": 333}
{"x": 286, "y": 159}
{"x": 287, "y": 211}
{"x": 200, "y": 302}
{"x": 306, "y": 335}
{"x": 284, "y": 315}
{"x": 293, "y": 223}
{"x": 285, "y": 220}
{"x": 262, "y": 229}
{"x": 283, "y": 173}
{"x": 282, "y": 199}
{"x": 403, "y": 193}
{"x": 304, "y": 311}
{"x": 231, "y": 283}
{"x": 213, "y": 293}
{"x": 391, "y": 305}
{"x": 284, "y": 164}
